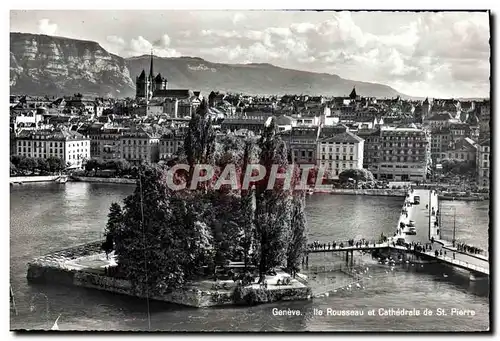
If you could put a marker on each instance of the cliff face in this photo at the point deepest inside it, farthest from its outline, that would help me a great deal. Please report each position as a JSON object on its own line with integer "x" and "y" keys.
{"x": 41, "y": 64}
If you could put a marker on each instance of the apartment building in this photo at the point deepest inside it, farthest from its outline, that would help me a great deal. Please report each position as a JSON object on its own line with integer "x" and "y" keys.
{"x": 70, "y": 146}
{"x": 404, "y": 154}
{"x": 483, "y": 163}
{"x": 464, "y": 149}
{"x": 370, "y": 148}
{"x": 340, "y": 151}
{"x": 105, "y": 143}
{"x": 140, "y": 146}
{"x": 170, "y": 144}
{"x": 302, "y": 141}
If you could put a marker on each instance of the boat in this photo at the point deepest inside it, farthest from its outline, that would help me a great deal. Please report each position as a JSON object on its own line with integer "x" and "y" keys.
{"x": 62, "y": 179}
{"x": 310, "y": 191}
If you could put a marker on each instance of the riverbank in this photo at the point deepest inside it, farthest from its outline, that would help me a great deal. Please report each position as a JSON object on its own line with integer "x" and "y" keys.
{"x": 369, "y": 192}
{"x": 23, "y": 179}
{"x": 103, "y": 180}
{"x": 461, "y": 198}
{"x": 84, "y": 266}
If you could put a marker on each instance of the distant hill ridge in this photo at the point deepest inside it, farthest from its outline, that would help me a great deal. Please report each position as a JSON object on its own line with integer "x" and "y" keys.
{"x": 49, "y": 65}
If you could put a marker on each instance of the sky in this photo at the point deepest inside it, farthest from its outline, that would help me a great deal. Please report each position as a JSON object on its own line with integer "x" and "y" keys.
{"x": 444, "y": 54}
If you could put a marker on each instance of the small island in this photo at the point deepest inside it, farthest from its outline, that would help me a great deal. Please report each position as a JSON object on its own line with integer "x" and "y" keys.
{"x": 201, "y": 238}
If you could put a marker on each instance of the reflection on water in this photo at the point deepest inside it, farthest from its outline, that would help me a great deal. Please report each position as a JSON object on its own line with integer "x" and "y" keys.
{"x": 46, "y": 217}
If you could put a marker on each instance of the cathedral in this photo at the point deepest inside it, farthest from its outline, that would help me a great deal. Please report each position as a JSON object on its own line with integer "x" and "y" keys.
{"x": 149, "y": 86}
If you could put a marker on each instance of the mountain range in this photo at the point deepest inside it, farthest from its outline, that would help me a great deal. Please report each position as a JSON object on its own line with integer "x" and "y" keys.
{"x": 49, "y": 65}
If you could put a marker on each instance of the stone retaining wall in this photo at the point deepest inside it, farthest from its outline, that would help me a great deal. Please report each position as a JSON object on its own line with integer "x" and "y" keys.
{"x": 373, "y": 192}
{"x": 47, "y": 178}
{"x": 104, "y": 180}
{"x": 52, "y": 268}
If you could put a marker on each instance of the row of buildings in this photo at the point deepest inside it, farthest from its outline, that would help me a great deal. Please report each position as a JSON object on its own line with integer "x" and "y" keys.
{"x": 394, "y": 153}
{"x": 395, "y": 139}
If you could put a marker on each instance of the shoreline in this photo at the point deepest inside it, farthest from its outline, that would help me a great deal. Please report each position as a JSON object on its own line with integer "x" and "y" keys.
{"x": 70, "y": 266}
{"x": 92, "y": 179}
{"x": 368, "y": 192}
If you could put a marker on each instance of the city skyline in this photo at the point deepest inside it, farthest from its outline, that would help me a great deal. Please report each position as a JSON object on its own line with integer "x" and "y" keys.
{"x": 423, "y": 54}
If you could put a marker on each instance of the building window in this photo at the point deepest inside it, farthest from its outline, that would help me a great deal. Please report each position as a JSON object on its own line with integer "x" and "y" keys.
{"x": 485, "y": 164}
{"x": 350, "y": 158}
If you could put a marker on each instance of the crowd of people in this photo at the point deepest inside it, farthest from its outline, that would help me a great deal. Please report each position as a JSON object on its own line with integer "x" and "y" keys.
{"x": 468, "y": 248}
{"x": 316, "y": 245}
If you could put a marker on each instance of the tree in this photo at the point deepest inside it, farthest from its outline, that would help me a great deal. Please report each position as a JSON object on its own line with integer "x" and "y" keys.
{"x": 16, "y": 159}
{"x": 43, "y": 165}
{"x": 199, "y": 143}
{"x": 55, "y": 164}
{"x": 28, "y": 165}
{"x": 122, "y": 167}
{"x": 247, "y": 203}
{"x": 162, "y": 241}
{"x": 356, "y": 175}
{"x": 272, "y": 213}
{"x": 298, "y": 239}
{"x": 459, "y": 167}
{"x": 115, "y": 219}
{"x": 13, "y": 169}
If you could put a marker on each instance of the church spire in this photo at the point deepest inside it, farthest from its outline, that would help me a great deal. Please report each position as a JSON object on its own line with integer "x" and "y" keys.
{"x": 151, "y": 66}
{"x": 353, "y": 94}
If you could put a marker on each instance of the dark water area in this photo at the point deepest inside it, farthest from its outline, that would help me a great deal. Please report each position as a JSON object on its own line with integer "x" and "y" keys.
{"x": 47, "y": 217}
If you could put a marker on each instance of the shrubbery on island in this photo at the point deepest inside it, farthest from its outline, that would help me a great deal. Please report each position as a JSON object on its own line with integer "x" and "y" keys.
{"x": 164, "y": 238}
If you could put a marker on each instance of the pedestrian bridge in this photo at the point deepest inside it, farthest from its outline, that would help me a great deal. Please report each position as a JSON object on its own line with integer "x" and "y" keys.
{"x": 423, "y": 245}
{"x": 427, "y": 255}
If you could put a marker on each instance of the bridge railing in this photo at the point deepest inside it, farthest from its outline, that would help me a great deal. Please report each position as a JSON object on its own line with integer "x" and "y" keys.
{"x": 346, "y": 245}
{"x": 467, "y": 265}
{"x": 462, "y": 263}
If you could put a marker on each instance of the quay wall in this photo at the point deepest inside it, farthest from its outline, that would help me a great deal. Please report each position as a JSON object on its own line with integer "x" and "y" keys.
{"x": 46, "y": 178}
{"x": 104, "y": 180}
{"x": 373, "y": 192}
{"x": 52, "y": 268}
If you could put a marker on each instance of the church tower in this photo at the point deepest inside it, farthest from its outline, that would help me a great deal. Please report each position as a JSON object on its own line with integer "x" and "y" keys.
{"x": 141, "y": 85}
{"x": 426, "y": 108}
{"x": 151, "y": 83}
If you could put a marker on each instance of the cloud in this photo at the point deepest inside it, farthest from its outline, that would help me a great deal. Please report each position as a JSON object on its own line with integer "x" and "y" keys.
{"x": 45, "y": 27}
{"x": 237, "y": 17}
{"x": 433, "y": 53}
{"x": 418, "y": 53}
{"x": 140, "y": 46}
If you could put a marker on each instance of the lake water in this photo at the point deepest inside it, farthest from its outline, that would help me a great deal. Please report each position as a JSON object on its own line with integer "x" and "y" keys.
{"x": 47, "y": 217}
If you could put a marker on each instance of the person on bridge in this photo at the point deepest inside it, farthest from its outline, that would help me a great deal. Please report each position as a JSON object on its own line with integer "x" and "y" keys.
{"x": 453, "y": 255}
{"x": 445, "y": 252}
{"x": 432, "y": 240}
{"x": 436, "y": 253}
{"x": 440, "y": 252}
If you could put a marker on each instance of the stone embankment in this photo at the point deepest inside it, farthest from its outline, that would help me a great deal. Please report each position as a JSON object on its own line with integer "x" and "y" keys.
{"x": 103, "y": 180}
{"x": 22, "y": 179}
{"x": 83, "y": 265}
{"x": 372, "y": 192}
